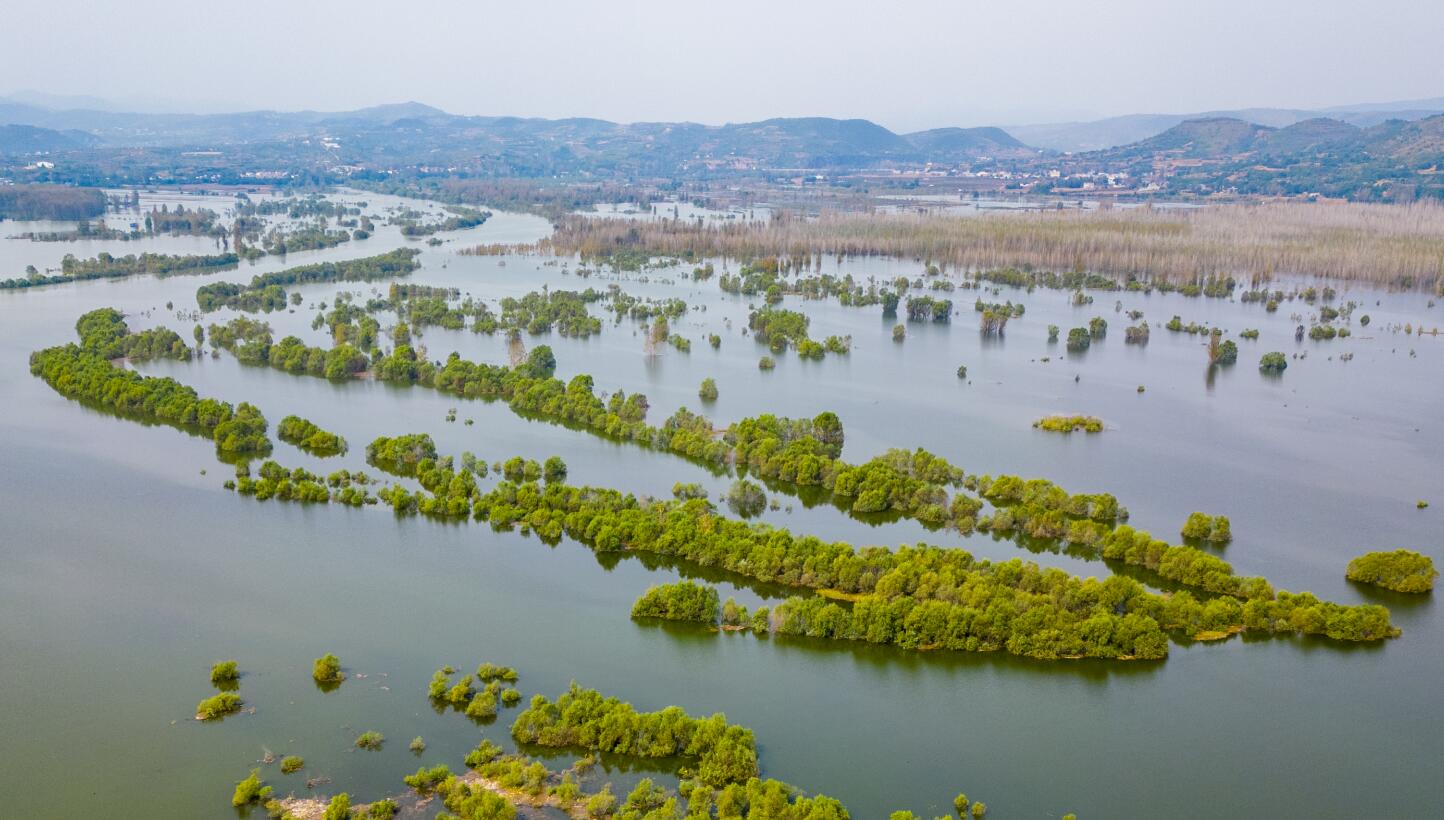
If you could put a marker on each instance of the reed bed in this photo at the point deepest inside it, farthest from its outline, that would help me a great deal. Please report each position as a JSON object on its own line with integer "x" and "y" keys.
{"x": 1391, "y": 245}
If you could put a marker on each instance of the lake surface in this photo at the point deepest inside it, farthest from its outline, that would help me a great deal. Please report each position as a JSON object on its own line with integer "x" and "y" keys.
{"x": 128, "y": 570}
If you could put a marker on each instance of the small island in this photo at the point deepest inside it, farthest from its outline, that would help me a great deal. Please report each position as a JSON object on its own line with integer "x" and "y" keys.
{"x": 1400, "y": 570}
{"x": 1067, "y": 424}
{"x": 218, "y": 706}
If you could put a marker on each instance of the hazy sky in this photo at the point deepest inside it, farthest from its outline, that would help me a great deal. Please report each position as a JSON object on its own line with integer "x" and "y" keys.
{"x": 903, "y": 63}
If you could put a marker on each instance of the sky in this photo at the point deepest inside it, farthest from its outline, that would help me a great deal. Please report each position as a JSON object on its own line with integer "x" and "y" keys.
{"x": 906, "y": 64}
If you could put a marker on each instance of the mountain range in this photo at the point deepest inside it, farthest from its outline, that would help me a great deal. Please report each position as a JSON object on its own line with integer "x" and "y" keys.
{"x": 1394, "y": 159}
{"x": 802, "y": 141}
{"x": 111, "y": 125}
{"x": 1341, "y": 151}
{"x": 1115, "y": 131}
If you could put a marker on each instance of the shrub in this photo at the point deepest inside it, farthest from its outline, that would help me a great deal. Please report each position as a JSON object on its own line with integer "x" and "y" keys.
{"x": 250, "y": 790}
{"x": 460, "y": 693}
{"x": 225, "y": 672}
{"x": 1274, "y": 362}
{"x": 766, "y": 363}
{"x": 482, "y": 706}
{"x": 417, "y": 745}
{"x": 686, "y": 492}
{"x": 339, "y": 808}
{"x": 962, "y": 371}
{"x": 427, "y": 779}
{"x": 382, "y": 809}
{"x": 307, "y": 436}
{"x": 602, "y": 804}
{"x": 554, "y": 469}
{"x": 370, "y": 740}
{"x": 489, "y": 672}
{"x": 725, "y": 753}
{"x": 291, "y": 763}
{"x": 484, "y": 753}
{"x": 1202, "y": 527}
{"x": 217, "y": 706}
{"x": 1227, "y": 353}
{"x": 327, "y": 669}
{"x": 1067, "y": 424}
{"x": 899, "y": 332}
{"x": 401, "y": 454}
{"x": 708, "y": 390}
{"x": 1400, "y": 570}
{"x": 1079, "y": 339}
{"x": 436, "y": 690}
{"x": 746, "y": 498}
{"x": 684, "y": 601}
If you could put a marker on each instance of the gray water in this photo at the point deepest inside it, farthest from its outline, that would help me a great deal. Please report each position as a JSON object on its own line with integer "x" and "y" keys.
{"x": 128, "y": 570}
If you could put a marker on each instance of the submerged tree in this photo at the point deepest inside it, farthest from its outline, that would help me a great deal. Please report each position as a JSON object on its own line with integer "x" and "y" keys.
{"x": 327, "y": 670}
{"x": 1400, "y": 570}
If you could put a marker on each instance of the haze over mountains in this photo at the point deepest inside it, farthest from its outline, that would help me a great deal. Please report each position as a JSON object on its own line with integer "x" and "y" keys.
{"x": 1097, "y": 135}
{"x": 1367, "y": 151}
{"x": 841, "y": 139}
{"x": 806, "y": 140}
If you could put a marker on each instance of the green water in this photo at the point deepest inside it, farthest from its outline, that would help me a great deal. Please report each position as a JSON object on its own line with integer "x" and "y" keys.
{"x": 126, "y": 572}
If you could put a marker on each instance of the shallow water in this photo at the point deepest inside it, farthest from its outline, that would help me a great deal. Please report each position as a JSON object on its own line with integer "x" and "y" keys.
{"x": 127, "y": 571}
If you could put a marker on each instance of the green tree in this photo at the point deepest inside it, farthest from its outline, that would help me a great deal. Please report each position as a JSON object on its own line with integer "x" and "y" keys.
{"x": 554, "y": 470}
{"x": 339, "y": 808}
{"x": 327, "y": 669}
{"x": 225, "y": 672}
{"x": 1274, "y": 362}
{"x": 251, "y": 790}
{"x": 217, "y": 706}
{"x": 1400, "y": 570}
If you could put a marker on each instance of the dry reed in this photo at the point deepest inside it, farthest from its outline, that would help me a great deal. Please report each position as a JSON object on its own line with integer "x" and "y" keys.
{"x": 1395, "y": 245}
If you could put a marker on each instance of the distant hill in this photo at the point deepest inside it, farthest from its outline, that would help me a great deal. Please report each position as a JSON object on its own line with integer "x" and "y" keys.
{"x": 1420, "y": 143}
{"x": 381, "y": 114}
{"x": 1204, "y": 138}
{"x": 1395, "y": 159}
{"x": 1111, "y": 132}
{"x": 969, "y": 142}
{"x": 413, "y": 131}
{"x": 1361, "y": 151}
{"x": 803, "y": 141}
{"x": 1224, "y": 138}
{"x": 28, "y": 139}
{"x": 1309, "y": 136}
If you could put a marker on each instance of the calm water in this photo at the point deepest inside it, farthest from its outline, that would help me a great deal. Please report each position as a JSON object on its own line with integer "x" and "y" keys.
{"x": 128, "y": 570}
